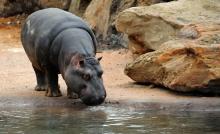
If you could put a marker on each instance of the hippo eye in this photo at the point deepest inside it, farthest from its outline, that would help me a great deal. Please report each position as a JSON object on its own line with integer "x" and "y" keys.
{"x": 86, "y": 77}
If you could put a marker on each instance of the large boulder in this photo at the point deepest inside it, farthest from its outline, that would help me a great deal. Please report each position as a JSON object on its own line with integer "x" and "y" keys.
{"x": 180, "y": 43}
{"x": 150, "y": 26}
{"x": 13, "y": 7}
{"x": 179, "y": 66}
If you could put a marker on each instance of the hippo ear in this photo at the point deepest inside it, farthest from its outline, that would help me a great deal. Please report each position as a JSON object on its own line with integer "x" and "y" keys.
{"x": 99, "y": 59}
{"x": 81, "y": 63}
{"x": 77, "y": 61}
{"x": 78, "y": 64}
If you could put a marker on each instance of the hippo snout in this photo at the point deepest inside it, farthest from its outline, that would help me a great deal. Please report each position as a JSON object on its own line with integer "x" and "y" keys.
{"x": 93, "y": 99}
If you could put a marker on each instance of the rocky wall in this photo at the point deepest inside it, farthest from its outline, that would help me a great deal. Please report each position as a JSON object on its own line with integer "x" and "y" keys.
{"x": 14, "y": 7}
{"x": 101, "y": 16}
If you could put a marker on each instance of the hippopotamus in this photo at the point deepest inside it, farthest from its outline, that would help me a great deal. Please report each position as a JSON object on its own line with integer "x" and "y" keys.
{"x": 59, "y": 42}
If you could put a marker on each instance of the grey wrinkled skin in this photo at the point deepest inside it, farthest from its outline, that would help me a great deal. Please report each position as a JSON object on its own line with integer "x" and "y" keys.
{"x": 56, "y": 42}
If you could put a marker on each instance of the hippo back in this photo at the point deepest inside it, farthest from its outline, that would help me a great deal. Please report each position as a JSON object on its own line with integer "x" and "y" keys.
{"x": 42, "y": 27}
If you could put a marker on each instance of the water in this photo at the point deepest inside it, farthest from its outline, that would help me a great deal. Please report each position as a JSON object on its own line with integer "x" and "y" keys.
{"x": 105, "y": 120}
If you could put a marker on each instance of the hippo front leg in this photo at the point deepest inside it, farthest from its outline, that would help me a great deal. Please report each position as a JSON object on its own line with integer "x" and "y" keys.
{"x": 71, "y": 95}
{"x": 53, "y": 89}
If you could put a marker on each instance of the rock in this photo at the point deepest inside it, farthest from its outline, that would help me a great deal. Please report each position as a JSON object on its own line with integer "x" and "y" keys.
{"x": 179, "y": 66}
{"x": 185, "y": 39}
{"x": 78, "y": 7}
{"x": 18, "y": 22}
{"x": 106, "y": 11}
{"x": 150, "y": 2}
{"x": 9, "y": 23}
{"x": 97, "y": 15}
{"x": 62, "y": 4}
{"x": 13, "y": 7}
{"x": 151, "y": 26}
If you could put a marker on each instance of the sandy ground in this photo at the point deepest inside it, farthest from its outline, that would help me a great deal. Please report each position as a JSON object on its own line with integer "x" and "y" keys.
{"x": 17, "y": 82}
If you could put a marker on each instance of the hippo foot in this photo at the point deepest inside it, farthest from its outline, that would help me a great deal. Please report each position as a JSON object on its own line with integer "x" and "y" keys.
{"x": 53, "y": 93}
{"x": 72, "y": 95}
{"x": 40, "y": 88}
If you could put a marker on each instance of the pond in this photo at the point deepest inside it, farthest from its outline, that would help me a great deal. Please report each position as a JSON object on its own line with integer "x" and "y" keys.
{"x": 105, "y": 120}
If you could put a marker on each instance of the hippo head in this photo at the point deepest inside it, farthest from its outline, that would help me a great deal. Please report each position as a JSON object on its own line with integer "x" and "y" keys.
{"x": 83, "y": 76}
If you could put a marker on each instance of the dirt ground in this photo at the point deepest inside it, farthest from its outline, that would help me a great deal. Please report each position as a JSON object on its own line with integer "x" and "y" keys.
{"x": 17, "y": 81}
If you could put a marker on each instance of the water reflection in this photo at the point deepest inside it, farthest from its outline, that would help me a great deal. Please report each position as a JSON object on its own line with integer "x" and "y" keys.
{"x": 108, "y": 120}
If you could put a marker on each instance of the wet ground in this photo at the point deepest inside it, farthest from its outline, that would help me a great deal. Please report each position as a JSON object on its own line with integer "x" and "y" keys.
{"x": 129, "y": 108}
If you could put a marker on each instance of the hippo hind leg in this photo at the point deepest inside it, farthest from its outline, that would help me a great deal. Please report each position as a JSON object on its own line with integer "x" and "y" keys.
{"x": 41, "y": 80}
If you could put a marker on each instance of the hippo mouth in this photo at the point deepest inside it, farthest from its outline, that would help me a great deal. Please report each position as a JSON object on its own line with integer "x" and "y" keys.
{"x": 91, "y": 100}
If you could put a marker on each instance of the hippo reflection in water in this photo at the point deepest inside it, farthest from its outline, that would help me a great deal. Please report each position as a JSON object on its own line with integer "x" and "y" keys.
{"x": 58, "y": 42}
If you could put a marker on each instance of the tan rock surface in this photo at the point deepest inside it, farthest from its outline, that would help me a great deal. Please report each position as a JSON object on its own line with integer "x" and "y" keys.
{"x": 97, "y": 15}
{"x": 181, "y": 67}
{"x": 150, "y": 26}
